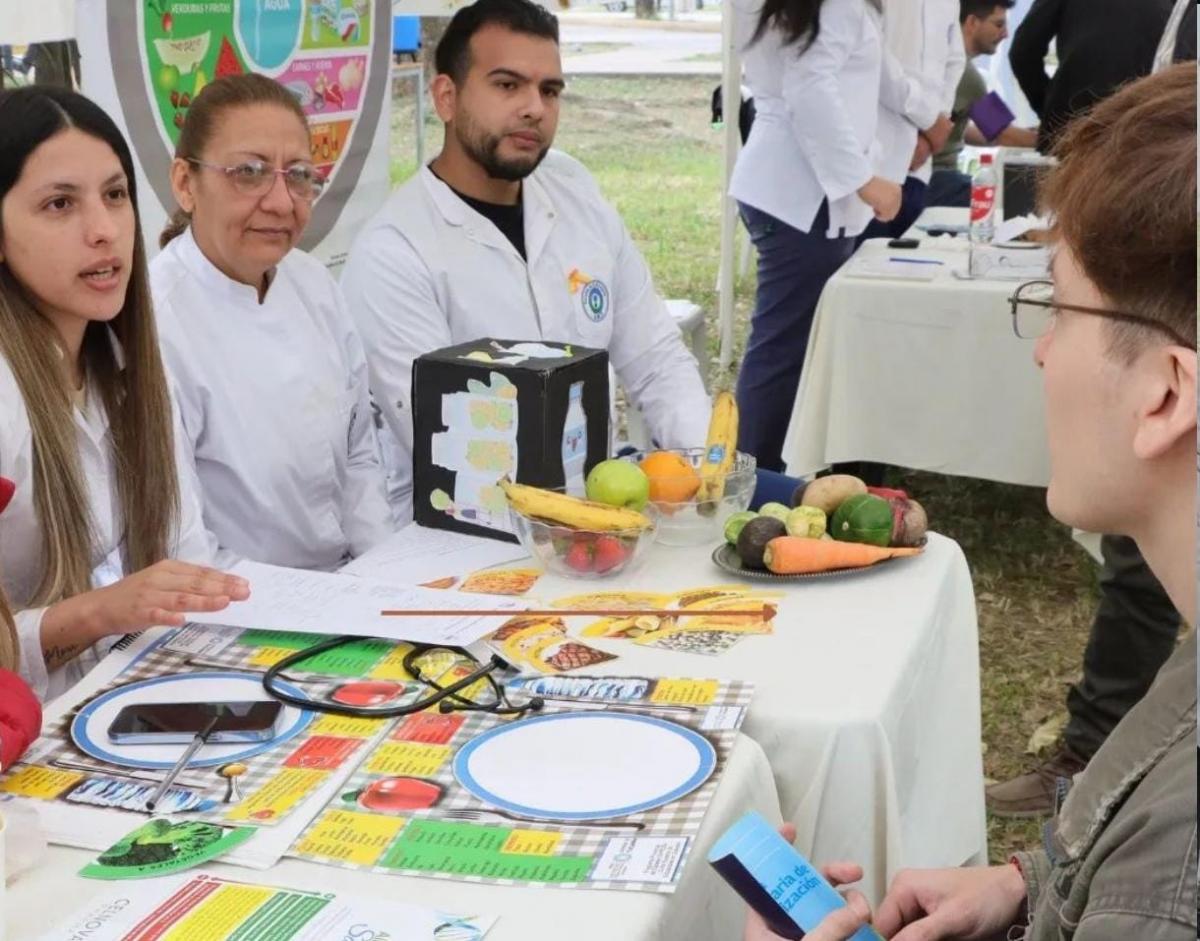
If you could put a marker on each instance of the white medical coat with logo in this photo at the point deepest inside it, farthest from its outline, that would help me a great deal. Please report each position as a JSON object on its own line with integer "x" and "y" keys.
{"x": 429, "y": 272}
{"x": 21, "y": 540}
{"x": 275, "y": 408}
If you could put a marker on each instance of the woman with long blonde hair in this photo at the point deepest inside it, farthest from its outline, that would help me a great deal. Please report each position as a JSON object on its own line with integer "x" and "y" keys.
{"x": 88, "y": 547}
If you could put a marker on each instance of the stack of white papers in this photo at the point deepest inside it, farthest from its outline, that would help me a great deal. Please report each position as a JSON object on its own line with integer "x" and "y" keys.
{"x": 283, "y": 599}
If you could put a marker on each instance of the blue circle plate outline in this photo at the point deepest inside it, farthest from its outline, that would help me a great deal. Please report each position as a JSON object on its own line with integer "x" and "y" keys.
{"x": 85, "y": 743}
{"x": 704, "y": 748}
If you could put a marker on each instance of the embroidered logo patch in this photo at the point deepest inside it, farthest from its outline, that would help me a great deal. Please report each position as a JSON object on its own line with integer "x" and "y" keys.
{"x": 595, "y": 300}
{"x": 592, "y": 292}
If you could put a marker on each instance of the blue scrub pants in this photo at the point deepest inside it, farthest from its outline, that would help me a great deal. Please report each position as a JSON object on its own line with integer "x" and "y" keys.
{"x": 793, "y": 267}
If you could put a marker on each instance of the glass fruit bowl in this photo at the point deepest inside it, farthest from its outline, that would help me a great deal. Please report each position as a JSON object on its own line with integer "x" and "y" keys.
{"x": 582, "y": 553}
{"x": 685, "y": 518}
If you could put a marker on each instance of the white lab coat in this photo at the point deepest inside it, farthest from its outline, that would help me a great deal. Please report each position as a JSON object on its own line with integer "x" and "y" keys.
{"x": 275, "y": 407}
{"x": 923, "y": 62}
{"x": 816, "y": 114}
{"x": 429, "y": 271}
{"x": 21, "y": 534}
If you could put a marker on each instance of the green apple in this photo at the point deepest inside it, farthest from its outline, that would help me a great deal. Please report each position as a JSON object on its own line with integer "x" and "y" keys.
{"x": 618, "y": 483}
{"x": 168, "y": 78}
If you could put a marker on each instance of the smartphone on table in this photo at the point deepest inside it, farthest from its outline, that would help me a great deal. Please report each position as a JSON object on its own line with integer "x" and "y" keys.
{"x": 177, "y": 723}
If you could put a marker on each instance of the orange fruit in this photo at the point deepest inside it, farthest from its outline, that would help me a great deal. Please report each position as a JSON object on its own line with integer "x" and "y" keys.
{"x": 672, "y": 477}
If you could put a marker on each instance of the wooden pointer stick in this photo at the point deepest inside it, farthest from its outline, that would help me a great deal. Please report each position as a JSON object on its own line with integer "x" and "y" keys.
{"x": 766, "y": 612}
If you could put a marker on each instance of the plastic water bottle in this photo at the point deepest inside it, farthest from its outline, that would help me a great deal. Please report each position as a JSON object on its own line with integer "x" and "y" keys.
{"x": 983, "y": 202}
{"x": 574, "y": 441}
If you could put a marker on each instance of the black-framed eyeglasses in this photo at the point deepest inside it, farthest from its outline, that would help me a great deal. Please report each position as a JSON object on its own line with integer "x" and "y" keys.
{"x": 1033, "y": 310}
{"x": 473, "y": 688}
{"x": 256, "y": 177}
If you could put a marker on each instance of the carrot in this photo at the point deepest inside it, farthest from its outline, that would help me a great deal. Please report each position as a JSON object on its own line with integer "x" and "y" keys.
{"x": 795, "y": 555}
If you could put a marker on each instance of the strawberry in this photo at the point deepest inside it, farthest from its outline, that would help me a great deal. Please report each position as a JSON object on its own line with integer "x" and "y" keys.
{"x": 333, "y": 94}
{"x": 7, "y": 489}
{"x": 610, "y": 552}
{"x": 579, "y": 557}
{"x": 168, "y": 22}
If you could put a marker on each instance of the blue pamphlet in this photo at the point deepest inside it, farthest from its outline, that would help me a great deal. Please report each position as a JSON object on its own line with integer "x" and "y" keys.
{"x": 776, "y": 881}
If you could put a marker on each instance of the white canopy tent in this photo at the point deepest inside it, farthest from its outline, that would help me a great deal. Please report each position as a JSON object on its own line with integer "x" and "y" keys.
{"x": 731, "y": 83}
{"x": 24, "y": 21}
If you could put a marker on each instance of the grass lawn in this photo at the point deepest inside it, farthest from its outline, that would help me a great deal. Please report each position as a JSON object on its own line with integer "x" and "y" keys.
{"x": 650, "y": 146}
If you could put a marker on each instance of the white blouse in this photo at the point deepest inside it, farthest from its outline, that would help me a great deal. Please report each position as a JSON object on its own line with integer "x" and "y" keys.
{"x": 21, "y": 533}
{"x": 816, "y": 112}
{"x": 275, "y": 408}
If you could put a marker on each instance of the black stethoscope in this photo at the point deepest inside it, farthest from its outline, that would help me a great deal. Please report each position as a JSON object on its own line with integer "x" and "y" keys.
{"x": 446, "y": 698}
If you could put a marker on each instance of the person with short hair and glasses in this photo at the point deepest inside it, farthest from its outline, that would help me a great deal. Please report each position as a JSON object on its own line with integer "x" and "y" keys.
{"x": 1115, "y": 338}
{"x": 270, "y": 373}
{"x": 1135, "y": 626}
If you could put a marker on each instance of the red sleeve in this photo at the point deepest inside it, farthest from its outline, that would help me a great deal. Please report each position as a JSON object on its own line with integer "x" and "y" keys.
{"x": 20, "y": 718}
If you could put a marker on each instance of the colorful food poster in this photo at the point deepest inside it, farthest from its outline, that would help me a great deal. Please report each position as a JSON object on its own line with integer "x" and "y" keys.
{"x": 542, "y": 645}
{"x": 552, "y": 799}
{"x": 152, "y": 58}
{"x": 76, "y": 765}
{"x": 707, "y": 628}
{"x": 185, "y": 908}
{"x": 161, "y": 847}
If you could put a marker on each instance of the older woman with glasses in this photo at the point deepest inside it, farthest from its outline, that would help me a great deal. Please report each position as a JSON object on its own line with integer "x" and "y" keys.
{"x": 269, "y": 370}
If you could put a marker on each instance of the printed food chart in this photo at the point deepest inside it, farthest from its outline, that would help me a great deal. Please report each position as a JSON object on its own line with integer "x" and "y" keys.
{"x": 607, "y": 797}
{"x": 604, "y": 788}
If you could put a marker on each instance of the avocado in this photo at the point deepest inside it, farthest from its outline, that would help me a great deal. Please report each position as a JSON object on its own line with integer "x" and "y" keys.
{"x": 753, "y": 539}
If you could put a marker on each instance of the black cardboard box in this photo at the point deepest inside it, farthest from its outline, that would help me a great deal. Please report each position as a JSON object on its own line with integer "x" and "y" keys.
{"x": 535, "y": 411}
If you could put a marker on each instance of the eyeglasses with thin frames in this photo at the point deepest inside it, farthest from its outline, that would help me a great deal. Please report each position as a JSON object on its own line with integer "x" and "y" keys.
{"x": 1033, "y": 310}
{"x": 255, "y": 177}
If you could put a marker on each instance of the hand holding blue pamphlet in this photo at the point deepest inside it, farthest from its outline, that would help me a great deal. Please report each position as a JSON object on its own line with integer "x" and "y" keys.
{"x": 776, "y": 881}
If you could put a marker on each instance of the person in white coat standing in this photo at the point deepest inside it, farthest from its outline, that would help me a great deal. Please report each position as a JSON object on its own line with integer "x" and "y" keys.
{"x": 923, "y": 62}
{"x": 806, "y": 183}
{"x": 99, "y": 519}
{"x": 500, "y": 236}
{"x": 269, "y": 370}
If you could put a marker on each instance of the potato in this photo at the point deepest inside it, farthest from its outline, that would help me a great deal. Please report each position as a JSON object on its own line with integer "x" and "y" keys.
{"x": 828, "y": 493}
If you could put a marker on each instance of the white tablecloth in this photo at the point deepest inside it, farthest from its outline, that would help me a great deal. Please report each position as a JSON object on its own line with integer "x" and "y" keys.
{"x": 866, "y": 703}
{"x": 927, "y": 375}
{"x": 866, "y": 706}
{"x": 702, "y": 908}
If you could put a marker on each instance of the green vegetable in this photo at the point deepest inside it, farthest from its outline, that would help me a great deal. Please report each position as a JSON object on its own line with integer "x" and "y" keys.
{"x": 863, "y": 518}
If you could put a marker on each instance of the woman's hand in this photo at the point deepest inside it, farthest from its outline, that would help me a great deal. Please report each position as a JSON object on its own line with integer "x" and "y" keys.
{"x": 883, "y": 196}
{"x": 163, "y": 593}
{"x": 160, "y": 594}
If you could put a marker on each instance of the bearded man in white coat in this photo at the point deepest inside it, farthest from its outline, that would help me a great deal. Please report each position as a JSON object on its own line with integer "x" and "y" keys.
{"x": 500, "y": 236}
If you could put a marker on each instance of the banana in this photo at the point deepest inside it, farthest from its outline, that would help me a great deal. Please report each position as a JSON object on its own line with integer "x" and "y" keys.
{"x": 721, "y": 449}
{"x": 571, "y": 511}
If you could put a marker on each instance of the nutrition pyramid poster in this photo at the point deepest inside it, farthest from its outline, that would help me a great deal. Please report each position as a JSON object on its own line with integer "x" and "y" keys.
{"x": 146, "y": 60}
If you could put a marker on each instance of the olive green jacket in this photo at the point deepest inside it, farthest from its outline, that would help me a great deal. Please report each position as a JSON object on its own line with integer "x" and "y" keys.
{"x": 1120, "y": 858}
